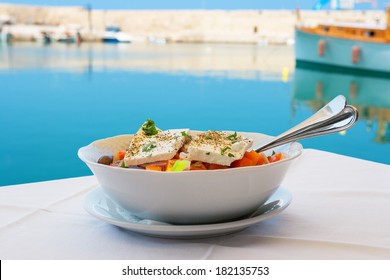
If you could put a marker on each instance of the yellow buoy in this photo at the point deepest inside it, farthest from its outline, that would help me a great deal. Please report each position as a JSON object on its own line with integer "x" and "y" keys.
{"x": 285, "y": 73}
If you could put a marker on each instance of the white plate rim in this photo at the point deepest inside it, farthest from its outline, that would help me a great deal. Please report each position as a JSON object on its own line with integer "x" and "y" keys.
{"x": 203, "y": 230}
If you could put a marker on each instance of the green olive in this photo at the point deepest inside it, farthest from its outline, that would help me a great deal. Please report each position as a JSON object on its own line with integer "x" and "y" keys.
{"x": 107, "y": 160}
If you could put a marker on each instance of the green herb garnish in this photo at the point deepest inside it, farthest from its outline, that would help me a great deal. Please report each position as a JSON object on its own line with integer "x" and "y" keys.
{"x": 225, "y": 149}
{"x": 208, "y": 153}
{"x": 149, "y": 147}
{"x": 233, "y": 137}
{"x": 149, "y": 128}
{"x": 183, "y": 133}
{"x": 230, "y": 155}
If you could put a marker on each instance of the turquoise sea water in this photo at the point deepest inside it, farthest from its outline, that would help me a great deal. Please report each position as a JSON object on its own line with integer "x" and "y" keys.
{"x": 55, "y": 99}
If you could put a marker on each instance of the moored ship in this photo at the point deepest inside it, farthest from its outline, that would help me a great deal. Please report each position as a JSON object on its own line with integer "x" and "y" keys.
{"x": 356, "y": 46}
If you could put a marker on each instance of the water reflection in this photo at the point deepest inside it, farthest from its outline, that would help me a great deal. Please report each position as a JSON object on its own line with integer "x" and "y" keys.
{"x": 249, "y": 62}
{"x": 370, "y": 94}
{"x": 69, "y": 95}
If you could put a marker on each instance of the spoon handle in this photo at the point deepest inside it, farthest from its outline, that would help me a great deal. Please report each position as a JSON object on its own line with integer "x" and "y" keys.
{"x": 334, "y": 107}
{"x": 343, "y": 120}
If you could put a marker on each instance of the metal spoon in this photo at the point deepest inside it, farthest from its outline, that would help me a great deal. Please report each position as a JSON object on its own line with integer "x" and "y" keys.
{"x": 343, "y": 121}
{"x": 333, "y": 117}
{"x": 334, "y": 107}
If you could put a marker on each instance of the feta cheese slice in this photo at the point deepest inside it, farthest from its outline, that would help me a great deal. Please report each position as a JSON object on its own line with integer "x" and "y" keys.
{"x": 150, "y": 148}
{"x": 219, "y": 147}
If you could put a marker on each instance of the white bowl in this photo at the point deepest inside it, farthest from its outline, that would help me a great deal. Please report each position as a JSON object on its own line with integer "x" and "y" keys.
{"x": 188, "y": 197}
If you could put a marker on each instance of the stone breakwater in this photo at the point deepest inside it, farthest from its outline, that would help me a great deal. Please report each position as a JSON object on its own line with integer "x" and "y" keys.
{"x": 192, "y": 26}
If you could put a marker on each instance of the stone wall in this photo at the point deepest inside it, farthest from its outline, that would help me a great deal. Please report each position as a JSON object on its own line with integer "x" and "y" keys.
{"x": 217, "y": 26}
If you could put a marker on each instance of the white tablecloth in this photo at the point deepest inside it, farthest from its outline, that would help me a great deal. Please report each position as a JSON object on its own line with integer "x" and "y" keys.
{"x": 340, "y": 210}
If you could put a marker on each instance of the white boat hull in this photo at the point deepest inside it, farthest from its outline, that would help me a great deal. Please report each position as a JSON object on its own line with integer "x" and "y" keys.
{"x": 117, "y": 37}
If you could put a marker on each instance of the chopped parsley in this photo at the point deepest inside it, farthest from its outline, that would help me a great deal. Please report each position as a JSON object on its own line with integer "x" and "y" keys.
{"x": 230, "y": 155}
{"x": 149, "y": 128}
{"x": 183, "y": 133}
{"x": 149, "y": 147}
{"x": 197, "y": 164}
{"x": 233, "y": 137}
{"x": 225, "y": 149}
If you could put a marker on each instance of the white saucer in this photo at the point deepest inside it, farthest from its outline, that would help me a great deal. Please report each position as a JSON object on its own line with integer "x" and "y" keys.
{"x": 99, "y": 205}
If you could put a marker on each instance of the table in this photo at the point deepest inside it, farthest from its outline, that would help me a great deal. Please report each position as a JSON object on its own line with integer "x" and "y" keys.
{"x": 340, "y": 210}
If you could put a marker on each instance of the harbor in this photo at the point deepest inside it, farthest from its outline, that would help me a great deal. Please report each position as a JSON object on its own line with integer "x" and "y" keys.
{"x": 61, "y": 80}
{"x": 28, "y": 23}
{"x": 303, "y": 57}
{"x": 195, "y": 134}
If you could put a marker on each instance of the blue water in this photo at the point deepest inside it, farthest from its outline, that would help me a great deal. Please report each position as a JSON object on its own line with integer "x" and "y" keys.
{"x": 54, "y": 100}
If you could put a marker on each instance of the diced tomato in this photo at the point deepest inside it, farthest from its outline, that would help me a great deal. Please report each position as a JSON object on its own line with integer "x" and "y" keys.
{"x": 121, "y": 154}
{"x": 161, "y": 165}
{"x": 170, "y": 164}
{"x": 213, "y": 166}
{"x": 262, "y": 160}
{"x": 242, "y": 162}
{"x": 198, "y": 166}
{"x": 177, "y": 156}
{"x": 252, "y": 155}
{"x": 153, "y": 167}
{"x": 275, "y": 157}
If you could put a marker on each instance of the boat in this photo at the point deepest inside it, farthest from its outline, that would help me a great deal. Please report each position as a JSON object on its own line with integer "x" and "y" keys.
{"x": 157, "y": 40}
{"x": 43, "y": 37}
{"x": 356, "y": 46}
{"x": 67, "y": 34}
{"x": 5, "y": 37}
{"x": 113, "y": 34}
{"x": 370, "y": 94}
{"x": 65, "y": 38}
